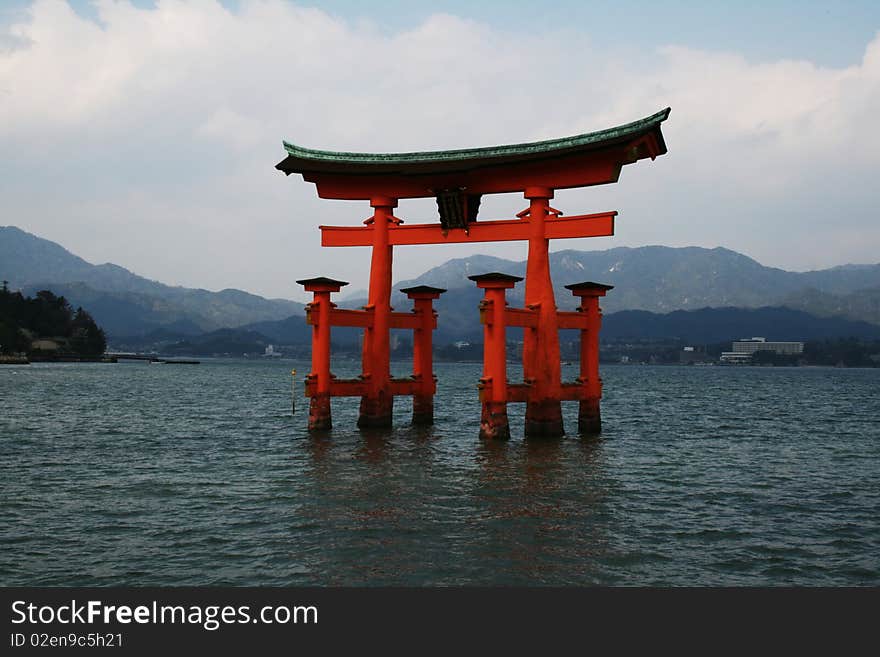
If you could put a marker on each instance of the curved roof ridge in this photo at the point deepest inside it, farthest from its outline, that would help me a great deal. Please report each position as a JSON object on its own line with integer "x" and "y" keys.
{"x": 526, "y": 148}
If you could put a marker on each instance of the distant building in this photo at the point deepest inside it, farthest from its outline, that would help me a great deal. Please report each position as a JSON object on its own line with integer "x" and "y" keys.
{"x": 735, "y": 357}
{"x": 743, "y": 350}
{"x": 751, "y": 345}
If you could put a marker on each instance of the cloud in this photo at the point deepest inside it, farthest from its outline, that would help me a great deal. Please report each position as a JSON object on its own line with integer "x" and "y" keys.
{"x": 148, "y": 137}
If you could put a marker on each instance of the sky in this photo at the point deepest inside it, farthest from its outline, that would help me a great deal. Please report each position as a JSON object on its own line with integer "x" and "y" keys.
{"x": 145, "y": 133}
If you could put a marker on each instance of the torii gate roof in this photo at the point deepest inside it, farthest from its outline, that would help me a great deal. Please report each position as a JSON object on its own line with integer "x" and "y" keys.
{"x": 586, "y": 159}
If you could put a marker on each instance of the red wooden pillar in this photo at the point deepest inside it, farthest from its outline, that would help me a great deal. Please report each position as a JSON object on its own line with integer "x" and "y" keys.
{"x": 377, "y": 404}
{"x": 318, "y": 380}
{"x": 541, "y": 360}
{"x": 423, "y": 351}
{"x": 589, "y": 414}
{"x": 493, "y": 385}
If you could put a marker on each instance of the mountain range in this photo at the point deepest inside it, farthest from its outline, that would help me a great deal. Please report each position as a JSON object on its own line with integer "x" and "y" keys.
{"x": 661, "y": 279}
{"x": 703, "y": 326}
{"x": 656, "y": 281}
{"x": 716, "y": 325}
{"x": 124, "y": 303}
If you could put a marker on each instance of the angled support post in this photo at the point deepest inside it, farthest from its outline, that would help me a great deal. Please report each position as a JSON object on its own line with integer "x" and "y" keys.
{"x": 493, "y": 385}
{"x": 423, "y": 351}
{"x": 589, "y": 414}
{"x": 318, "y": 380}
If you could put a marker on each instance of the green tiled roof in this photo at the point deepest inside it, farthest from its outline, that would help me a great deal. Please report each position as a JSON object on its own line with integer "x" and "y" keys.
{"x": 300, "y": 159}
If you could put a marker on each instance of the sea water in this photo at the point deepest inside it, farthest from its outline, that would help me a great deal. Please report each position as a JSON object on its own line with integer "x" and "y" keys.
{"x": 137, "y": 474}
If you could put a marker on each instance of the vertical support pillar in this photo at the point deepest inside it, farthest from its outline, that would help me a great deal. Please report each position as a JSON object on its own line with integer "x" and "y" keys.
{"x": 377, "y": 405}
{"x": 423, "y": 351}
{"x": 493, "y": 385}
{"x": 318, "y": 380}
{"x": 589, "y": 413}
{"x": 541, "y": 358}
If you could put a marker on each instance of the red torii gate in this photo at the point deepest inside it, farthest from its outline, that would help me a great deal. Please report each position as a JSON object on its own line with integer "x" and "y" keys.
{"x": 457, "y": 180}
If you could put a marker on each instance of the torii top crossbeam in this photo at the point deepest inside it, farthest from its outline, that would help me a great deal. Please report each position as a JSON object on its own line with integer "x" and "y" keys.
{"x": 459, "y": 178}
{"x": 588, "y": 159}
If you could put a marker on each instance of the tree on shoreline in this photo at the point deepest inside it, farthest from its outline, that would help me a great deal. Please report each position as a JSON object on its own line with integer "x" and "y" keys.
{"x": 46, "y": 316}
{"x": 86, "y": 338}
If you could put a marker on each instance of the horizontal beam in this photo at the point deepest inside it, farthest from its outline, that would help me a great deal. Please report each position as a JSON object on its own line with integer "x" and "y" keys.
{"x": 584, "y": 225}
{"x": 519, "y": 392}
{"x": 343, "y": 317}
{"x": 408, "y": 321}
{"x": 574, "y": 392}
{"x": 361, "y": 387}
{"x": 342, "y": 388}
{"x": 505, "y": 230}
{"x": 572, "y": 320}
{"x": 364, "y": 319}
{"x": 522, "y": 317}
{"x": 516, "y": 392}
{"x": 526, "y": 318}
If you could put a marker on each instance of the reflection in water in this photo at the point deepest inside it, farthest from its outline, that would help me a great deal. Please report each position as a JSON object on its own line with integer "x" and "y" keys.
{"x": 408, "y": 499}
{"x": 541, "y": 466}
{"x": 492, "y": 456}
{"x": 319, "y": 445}
{"x": 423, "y": 434}
{"x": 374, "y": 445}
{"x": 544, "y": 507}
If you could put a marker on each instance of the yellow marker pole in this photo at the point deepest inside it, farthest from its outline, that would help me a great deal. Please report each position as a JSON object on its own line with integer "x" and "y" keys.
{"x": 293, "y": 391}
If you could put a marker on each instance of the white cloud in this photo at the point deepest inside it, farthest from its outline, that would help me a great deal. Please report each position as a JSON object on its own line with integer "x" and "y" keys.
{"x": 149, "y": 137}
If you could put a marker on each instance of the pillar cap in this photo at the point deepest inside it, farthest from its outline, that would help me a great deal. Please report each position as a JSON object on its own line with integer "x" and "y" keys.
{"x": 495, "y": 279}
{"x": 321, "y": 284}
{"x": 383, "y": 202}
{"x": 589, "y": 288}
{"x": 422, "y": 291}
{"x": 538, "y": 192}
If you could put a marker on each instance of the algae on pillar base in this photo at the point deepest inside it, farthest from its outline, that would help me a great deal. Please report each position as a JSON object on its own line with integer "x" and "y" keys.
{"x": 493, "y": 421}
{"x": 320, "y": 418}
{"x": 590, "y": 417}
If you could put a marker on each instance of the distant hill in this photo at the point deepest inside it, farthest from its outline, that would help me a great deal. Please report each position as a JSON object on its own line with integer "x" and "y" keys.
{"x": 713, "y": 325}
{"x": 703, "y": 326}
{"x": 291, "y": 330}
{"x": 662, "y": 279}
{"x": 657, "y": 279}
{"x": 125, "y": 303}
{"x": 294, "y": 330}
{"x": 234, "y": 342}
{"x": 862, "y": 304}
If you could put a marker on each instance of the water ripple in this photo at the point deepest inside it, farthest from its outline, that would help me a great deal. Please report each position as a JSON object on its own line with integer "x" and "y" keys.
{"x": 142, "y": 475}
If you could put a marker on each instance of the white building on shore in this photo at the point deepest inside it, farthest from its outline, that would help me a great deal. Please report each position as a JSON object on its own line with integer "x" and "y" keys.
{"x": 743, "y": 350}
